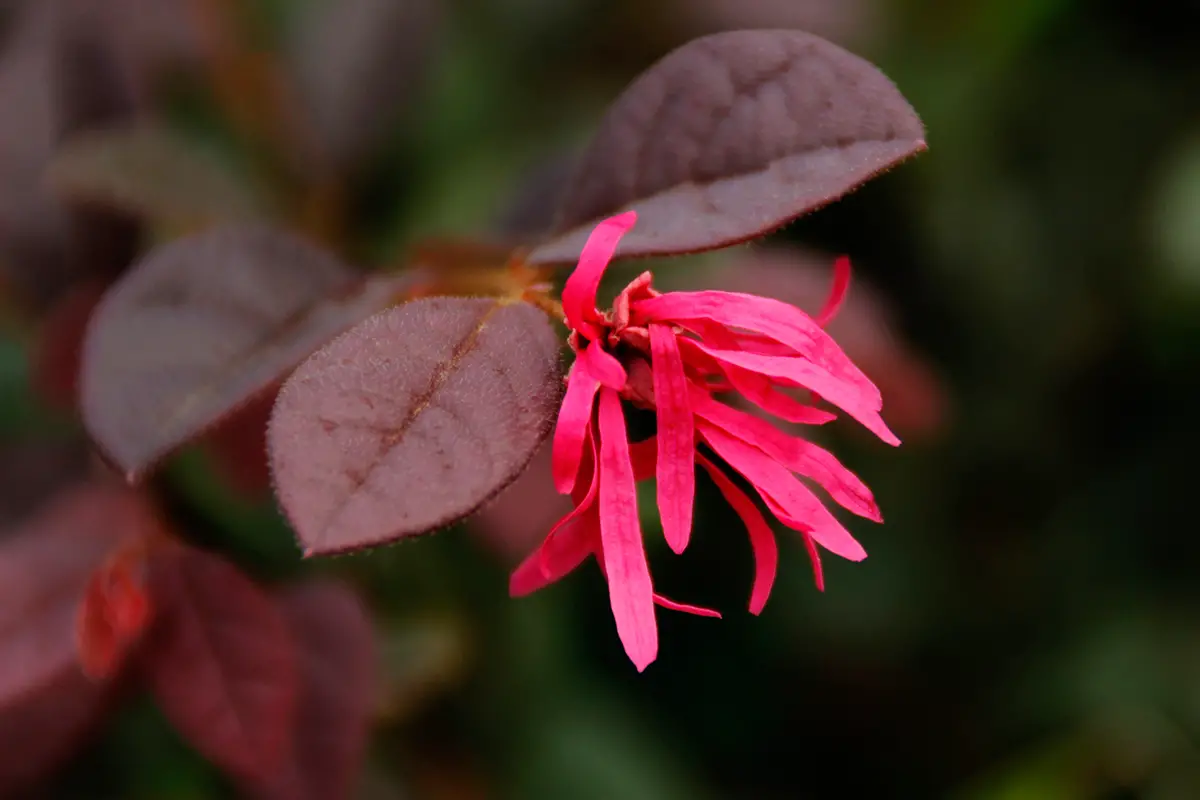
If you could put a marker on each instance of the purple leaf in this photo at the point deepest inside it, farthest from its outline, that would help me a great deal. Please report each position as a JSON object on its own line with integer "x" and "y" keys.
{"x": 412, "y": 420}
{"x": 198, "y": 327}
{"x": 32, "y": 468}
{"x": 338, "y": 692}
{"x": 153, "y": 174}
{"x": 221, "y": 663}
{"x": 730, "y": 137}
{"x": 357, "y": 63}
{"x": 92, "y": 89}
{"x": 32, "y": 225}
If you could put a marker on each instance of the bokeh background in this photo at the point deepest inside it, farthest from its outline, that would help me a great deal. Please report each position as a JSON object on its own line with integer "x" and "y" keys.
{"x": 1027, "y": 294}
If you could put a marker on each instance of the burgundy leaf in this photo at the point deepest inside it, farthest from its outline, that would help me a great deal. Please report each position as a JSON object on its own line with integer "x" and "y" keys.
{"x": 32, "y": 469}
{"x": 199, "y": 326}
{"x": 46, "y": 703}
{"x": 43, "y": 727}
{"x": 56, "y": 350}
{"x": 221, "y": 663}
{"x": 238, "y": 446}
{"x": 32, "y": 224}
{"x": 154, "y": 35}
{"x": 731, "y": 136}
{"x": 412, "y": 420}
{"x": 153, "y": 174}
{"x": 357, "y": 64}
{"x": 338, "y": 690}
{"x": 92, "y": 89}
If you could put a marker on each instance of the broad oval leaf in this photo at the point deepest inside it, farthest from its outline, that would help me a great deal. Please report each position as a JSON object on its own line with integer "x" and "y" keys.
{"x": 221, "y": 663}
{"x": 412, "y": 420}
{"x": 153, "y": 174}
{"x": 198, "y": 327}
{"x": 731, "y": 136}
{"x": 338, "y": 690}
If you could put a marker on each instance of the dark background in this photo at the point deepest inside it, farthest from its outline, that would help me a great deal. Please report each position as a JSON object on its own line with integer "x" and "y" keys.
{"x": 1028, "y": 622}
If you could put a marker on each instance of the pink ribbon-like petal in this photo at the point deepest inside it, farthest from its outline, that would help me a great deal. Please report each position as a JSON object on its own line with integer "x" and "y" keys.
{"x": 762, "y": 538}
{"x": 792, "y": 452}
{"x": 579, "y": 293}
{"x": 585, "y": 501}
{"x": 783, "y": 323}
{"x": 814, "y": 555}
{"x": 790, "y": 500}
{"x": 644, "y": 457}
{"x": 559, "y": 555}
{"x": 756, "y": 388}
{"x": 571, "y": 429}
{"x": 687, "y": 608}
{"x": 629, "y": 586}
{"x": 603, "y": 366}
{"x": 809, "y": 375}
{"x": 676, "y": 470}
{"x": 837, "y": 292}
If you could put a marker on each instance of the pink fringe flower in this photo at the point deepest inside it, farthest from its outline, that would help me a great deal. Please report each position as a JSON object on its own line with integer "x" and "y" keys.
{"x": 672, "y": 353}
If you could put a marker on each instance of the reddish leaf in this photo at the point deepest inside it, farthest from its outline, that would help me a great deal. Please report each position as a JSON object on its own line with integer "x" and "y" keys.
{"x": 92, "y": 89}
{"x": 238, "y": 446}
{"x": 153, "y": 174}
{"x": 32, "y": 224}
{"x": 34, "y": 468}
{"x": 221, "y": 663}
{"x": 338, "y": 666}
{"x": 357, "y": 63}
{"x": 153, "y": 35}
{"x": 43, "y": 727}
{"x": 57, "y": 350}
{"x": 201, "y": 325}
{"x": 731, "y": 136}
{"x": 412, "y": 420}
{"x": 46, "y": 703}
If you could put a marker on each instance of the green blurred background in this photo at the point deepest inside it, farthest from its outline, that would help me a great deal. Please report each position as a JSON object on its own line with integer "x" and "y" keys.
{"x": 1028, "y": 622}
